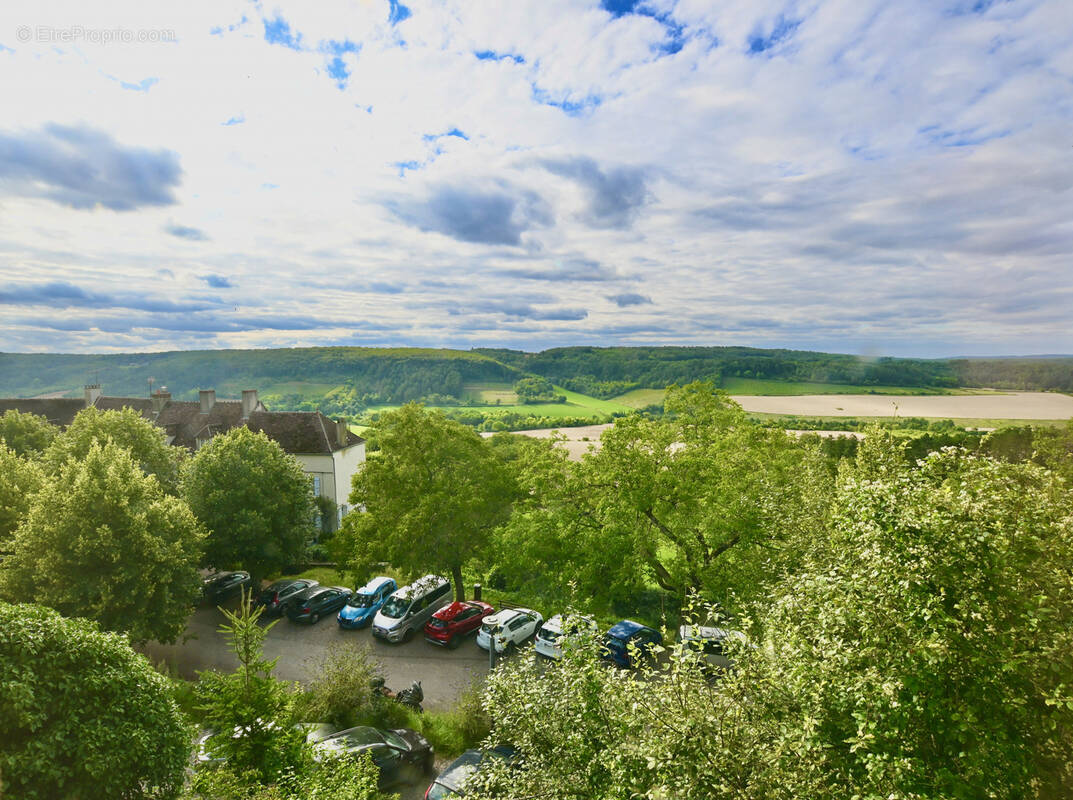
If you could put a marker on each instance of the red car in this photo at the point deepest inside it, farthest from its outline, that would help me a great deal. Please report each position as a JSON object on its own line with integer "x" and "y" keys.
{"x": 451, "y": 623}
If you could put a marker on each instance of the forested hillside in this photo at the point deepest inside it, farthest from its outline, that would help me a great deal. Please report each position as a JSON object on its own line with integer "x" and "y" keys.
{"x": 348, "y": 379}
{"x": 384, "y": 375}
{"x": 609, "y": 371}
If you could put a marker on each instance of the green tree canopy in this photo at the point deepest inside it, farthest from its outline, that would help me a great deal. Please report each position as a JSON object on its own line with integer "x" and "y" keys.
{"x": 83, "y": 715}
{"x": 253, "y": 498}
{"x": 128, "y": 429}
{"x": 19, "y": 479}
{"x": 534, "y": 389}
{"x": 922, "y": 651}
{"x": 102, "y": 540}
{"x": 701, "y": 499}
{"x": 26, "y": 434}
{"x": 431, "y": 497}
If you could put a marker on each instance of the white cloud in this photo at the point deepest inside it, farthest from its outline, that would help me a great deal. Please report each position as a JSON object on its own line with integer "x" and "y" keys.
{"x": 877, "y": 176}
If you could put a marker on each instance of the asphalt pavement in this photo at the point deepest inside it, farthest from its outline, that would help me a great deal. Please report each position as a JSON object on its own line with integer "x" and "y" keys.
{"x": 299, "y": 648}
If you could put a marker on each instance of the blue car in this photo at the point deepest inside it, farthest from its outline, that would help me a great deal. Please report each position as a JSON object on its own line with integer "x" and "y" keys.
{"x": 365, "y": 602}
{"x": 617, "y": 642}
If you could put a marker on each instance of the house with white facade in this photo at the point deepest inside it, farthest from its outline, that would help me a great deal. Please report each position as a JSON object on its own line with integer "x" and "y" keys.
{"x": 329, "y": 452}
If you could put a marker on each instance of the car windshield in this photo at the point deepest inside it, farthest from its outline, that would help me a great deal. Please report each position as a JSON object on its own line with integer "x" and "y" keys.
{"x": 394, "y": 740}
{"x": 361, "y": 601}
{"x": 616, "y": 644}
{"x": 549, "y": 635}
{"x": 437, "y": 623}
{"x": 395, "y": 607}
{"x": 491, "y": 628}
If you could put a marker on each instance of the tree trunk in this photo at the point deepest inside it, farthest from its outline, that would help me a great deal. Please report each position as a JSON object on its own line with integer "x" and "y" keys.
{"x": 456, "y": 576}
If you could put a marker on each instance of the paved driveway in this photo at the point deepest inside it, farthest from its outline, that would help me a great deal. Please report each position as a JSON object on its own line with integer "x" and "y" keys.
{"x": 444, "y": 674}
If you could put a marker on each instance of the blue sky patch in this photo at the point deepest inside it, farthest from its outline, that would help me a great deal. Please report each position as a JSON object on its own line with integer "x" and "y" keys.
{"x": 278, "y": 31}
{"x": 234, "y": 121}
{"x": 492, "y": 55}
{"x": 783, "y": 29}
{"x": 573, "y": 107}
{"x": 398, "y": 12}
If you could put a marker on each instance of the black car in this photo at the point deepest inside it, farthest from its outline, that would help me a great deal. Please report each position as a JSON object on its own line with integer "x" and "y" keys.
{"x": 276, "y": 596}
{"x": 222, "y": 585}
{"x": 451, "y": 782}
{"x": 312, "y": 604}
{"x": 402, "y": 755}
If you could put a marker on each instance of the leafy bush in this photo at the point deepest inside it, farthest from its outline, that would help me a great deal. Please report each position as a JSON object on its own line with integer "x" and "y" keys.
{"x": 84, "y": 716}
{"x": 340, "y": 693}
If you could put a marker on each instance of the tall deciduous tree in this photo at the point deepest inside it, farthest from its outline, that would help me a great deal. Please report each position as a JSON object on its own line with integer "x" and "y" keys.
{"x": 19, "y": 480}
{"x": 26, "y": 434}
{"x": 254, "y": 499}
{"x": 83, "y": 715}
{"x": 701, "y": 499}
{"x": 102, "y": 540}
{"x": 431, "y": 497}
{"x": 128, "y": 429}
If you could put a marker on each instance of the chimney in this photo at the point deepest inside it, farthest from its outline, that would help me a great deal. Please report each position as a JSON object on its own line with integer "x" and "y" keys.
{"x": 208, "y": 399}
{"x": 249, "y": 402}
{"x": 161, "y": 398}
{"x": 342, "y": 432}
{"x": 93, "y": 392}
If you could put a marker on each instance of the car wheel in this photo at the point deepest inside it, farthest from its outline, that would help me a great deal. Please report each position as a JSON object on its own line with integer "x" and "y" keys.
{"x": 408, "y": 635}
{"x": 452, "y": 643}
{"x": 430, "y": 762}
{"x": 314, "y": 618}
{"x": 510, "y": 648}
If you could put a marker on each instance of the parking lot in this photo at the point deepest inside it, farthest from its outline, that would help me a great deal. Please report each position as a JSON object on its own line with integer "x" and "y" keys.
{"x": 443, "y": 673}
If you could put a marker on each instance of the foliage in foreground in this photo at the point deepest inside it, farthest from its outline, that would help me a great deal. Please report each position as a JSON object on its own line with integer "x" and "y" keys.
{"x": 83, "y": 715}
{"x": 924, "y": 651}
{"x": 265, "y": 755}
{"x": 102, "y": 540}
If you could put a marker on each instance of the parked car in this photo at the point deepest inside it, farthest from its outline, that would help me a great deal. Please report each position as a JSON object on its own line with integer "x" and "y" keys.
{"x": 275, "y": 597}
{"x": 221, "y": 585}
{"x": 453, "y": 623}
{"x": 710, "y": 643}
{"x": 617, "y": 642}
{"x": 549, "y": 638}
{"x": 312, "y": 604}
{"x": 402, "y": 755}
{"x": 366, "y": 601}
{"x": 508, "y": 629}
{"x": 408, "y": 609}
{"x": 451, "y": 781}
{"x": 208, "y": 753}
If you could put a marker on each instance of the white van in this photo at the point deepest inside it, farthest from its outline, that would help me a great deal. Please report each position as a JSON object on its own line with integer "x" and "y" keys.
{"x": 409, "y": 608}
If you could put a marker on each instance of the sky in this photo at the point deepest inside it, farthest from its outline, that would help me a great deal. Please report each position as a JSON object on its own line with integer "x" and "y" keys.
{"x": 877, "y": 177}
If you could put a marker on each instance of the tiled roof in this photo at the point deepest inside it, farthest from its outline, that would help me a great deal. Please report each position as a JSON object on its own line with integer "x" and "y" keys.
{"x": 295, "y": 431}
{"x": 57, "y": 410}
{"x": 300, "y": 431}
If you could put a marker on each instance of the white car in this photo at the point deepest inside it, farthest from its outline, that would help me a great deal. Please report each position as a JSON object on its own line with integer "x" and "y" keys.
{"x": 508, "y": 628}
{"x": 549, "y": 639}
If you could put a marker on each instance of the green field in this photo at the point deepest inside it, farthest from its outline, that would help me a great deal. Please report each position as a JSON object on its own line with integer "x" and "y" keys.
{"x": 641, "y": 398}
{"x": 576, "y": 405}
